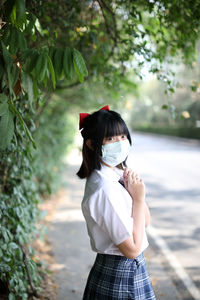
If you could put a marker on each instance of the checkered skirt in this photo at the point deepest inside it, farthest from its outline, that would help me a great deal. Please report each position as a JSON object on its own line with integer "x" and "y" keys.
{"x": 115, "y": 277}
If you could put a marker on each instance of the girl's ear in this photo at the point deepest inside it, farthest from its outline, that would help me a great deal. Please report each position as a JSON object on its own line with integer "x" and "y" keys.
{"x": 89, "y": 144}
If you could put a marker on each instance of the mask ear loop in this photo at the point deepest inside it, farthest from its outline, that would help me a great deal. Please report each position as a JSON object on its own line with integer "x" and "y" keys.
{"x": 122, "y": 166}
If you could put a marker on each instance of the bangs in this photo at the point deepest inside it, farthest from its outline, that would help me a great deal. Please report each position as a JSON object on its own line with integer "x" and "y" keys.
{"x": 115, "y": 127}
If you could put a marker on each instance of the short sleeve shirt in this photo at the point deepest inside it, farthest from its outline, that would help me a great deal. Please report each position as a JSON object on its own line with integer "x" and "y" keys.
{"x": 107, "y": 209}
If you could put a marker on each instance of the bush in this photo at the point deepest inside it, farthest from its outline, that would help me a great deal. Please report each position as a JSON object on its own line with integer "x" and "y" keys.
{"x": 26, "y": 176}
{"x": 186, "y": 132}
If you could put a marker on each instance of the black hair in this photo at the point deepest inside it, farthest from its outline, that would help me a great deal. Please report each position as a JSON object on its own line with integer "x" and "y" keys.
{"x": 97, "y": 126}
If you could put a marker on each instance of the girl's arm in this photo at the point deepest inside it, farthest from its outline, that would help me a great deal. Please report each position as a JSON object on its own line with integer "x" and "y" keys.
{"x": 135, "y": 186}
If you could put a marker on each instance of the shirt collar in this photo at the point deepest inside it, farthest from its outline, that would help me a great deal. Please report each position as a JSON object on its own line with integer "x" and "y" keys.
{"x": 109, "y": 173}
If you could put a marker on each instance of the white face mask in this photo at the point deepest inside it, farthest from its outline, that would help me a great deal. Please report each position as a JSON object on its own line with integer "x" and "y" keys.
{"x": 115, "y": 153}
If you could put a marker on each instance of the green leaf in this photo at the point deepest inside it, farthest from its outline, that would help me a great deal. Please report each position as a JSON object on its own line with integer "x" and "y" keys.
{"x": 3, "y": 98}
{"x": 41, "y": 67}
{"x": 3, "y": 108}
{"x": 7, "y": 259}
{"x": 30, "y": 65}
{"x": 10, "y": 81}
{"x": 20, "y": 6}
{"x": 26, "y": 53}
{"x": 27, "y": 85}
{"x": 11, "y": 296}
{"x": 43, "y": 73}
{"x": 6, "y": 56}
{"x": 29, "y": 135}
{"x": 194, "y": 88}
{"x": 35, "y": 89}
{"x": 22, "y": 122}
{"x": 13, "y": 14}
{"x": 38, "y": 26}
{"x": 1, "y": 71}
{"x": 164, "y": 106}
{"x": 45, "y": 80}
{"x": 11, "y": 283}
{"x": 19, "y": 212}
{"x": 15, "y": 74}
{"x": 58, "y": 62}
{"x": 13, "y": 245}
{"x": 6, "y": 129}
{"x": 171, "y": 90}
{"x": 80, "y": 76}
{"x": 13, "y": 43}
{"x": 6, "y": 34}
{"x": 68, "y": 63}
{"x": 31, "y": 23}
{"x": 5, "y": 236}
{"x": 52, "y": 51}
{"x": 79, "y": 62}
{"x": 51, "y": 70}
{"x": 21, "y": 41}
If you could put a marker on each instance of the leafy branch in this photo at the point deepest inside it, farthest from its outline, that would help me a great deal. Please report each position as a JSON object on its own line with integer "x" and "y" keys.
{"x": 25, "y": 260}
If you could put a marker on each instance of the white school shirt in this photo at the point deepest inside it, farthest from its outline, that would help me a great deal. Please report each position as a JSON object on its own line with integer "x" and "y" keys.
{"x": 107, "y": 209}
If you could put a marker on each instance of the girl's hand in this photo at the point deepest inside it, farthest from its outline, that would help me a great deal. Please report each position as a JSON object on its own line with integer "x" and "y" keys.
{"x": 134, "y": 185}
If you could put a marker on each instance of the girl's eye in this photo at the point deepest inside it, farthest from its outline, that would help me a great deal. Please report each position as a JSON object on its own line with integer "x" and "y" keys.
{"x": 110, "y": 138}
{"x": 124, "y": 137}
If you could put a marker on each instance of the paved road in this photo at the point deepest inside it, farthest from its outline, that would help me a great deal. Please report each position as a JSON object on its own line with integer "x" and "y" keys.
{"x": 170, "y": 168}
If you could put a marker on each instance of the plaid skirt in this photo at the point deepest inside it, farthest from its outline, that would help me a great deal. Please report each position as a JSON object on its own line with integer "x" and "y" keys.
{"x": 115, "y": 277}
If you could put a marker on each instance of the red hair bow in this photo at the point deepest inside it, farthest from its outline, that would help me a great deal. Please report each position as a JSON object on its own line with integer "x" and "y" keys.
{"x": 85, "y": 115}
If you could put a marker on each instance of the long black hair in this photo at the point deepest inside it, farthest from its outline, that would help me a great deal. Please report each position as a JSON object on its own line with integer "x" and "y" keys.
{"x": 97, "y": 126}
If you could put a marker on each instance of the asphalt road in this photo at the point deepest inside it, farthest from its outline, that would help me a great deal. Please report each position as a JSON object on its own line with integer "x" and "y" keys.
{"x": 170, "y": 168}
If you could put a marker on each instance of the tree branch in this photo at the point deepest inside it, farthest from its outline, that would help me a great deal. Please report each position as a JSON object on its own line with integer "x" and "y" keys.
{"x": 105, "y": 19}
{"x": 103, "y": 6}
{"x": 70, "y": 85}
{"x": 48, "y": 99}
{"x": 40, "y": 110}
{"x": 108, "y": 8}
{"x": 34, "y": 291}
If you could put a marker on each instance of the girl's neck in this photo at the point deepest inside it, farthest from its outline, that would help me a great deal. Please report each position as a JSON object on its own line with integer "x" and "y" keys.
{"x": 103, "y": 163}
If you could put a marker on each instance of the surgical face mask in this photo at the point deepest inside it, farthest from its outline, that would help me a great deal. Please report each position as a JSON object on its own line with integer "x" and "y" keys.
{"x": 115, "y": 153}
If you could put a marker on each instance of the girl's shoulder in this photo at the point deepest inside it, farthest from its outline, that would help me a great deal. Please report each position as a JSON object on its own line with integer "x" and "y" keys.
{"x": 96, "y": 182}
{"x": 98, "y": 186}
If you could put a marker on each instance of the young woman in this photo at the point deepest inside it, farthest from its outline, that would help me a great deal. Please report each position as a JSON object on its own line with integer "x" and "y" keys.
{"x": 114, "y": 209}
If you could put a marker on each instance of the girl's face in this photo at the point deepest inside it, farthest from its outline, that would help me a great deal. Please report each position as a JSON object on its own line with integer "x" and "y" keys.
{"x": 113, "y": 139}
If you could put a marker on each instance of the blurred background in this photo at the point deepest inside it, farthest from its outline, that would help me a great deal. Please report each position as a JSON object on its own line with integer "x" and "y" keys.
{"x": 60, "y": 58}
